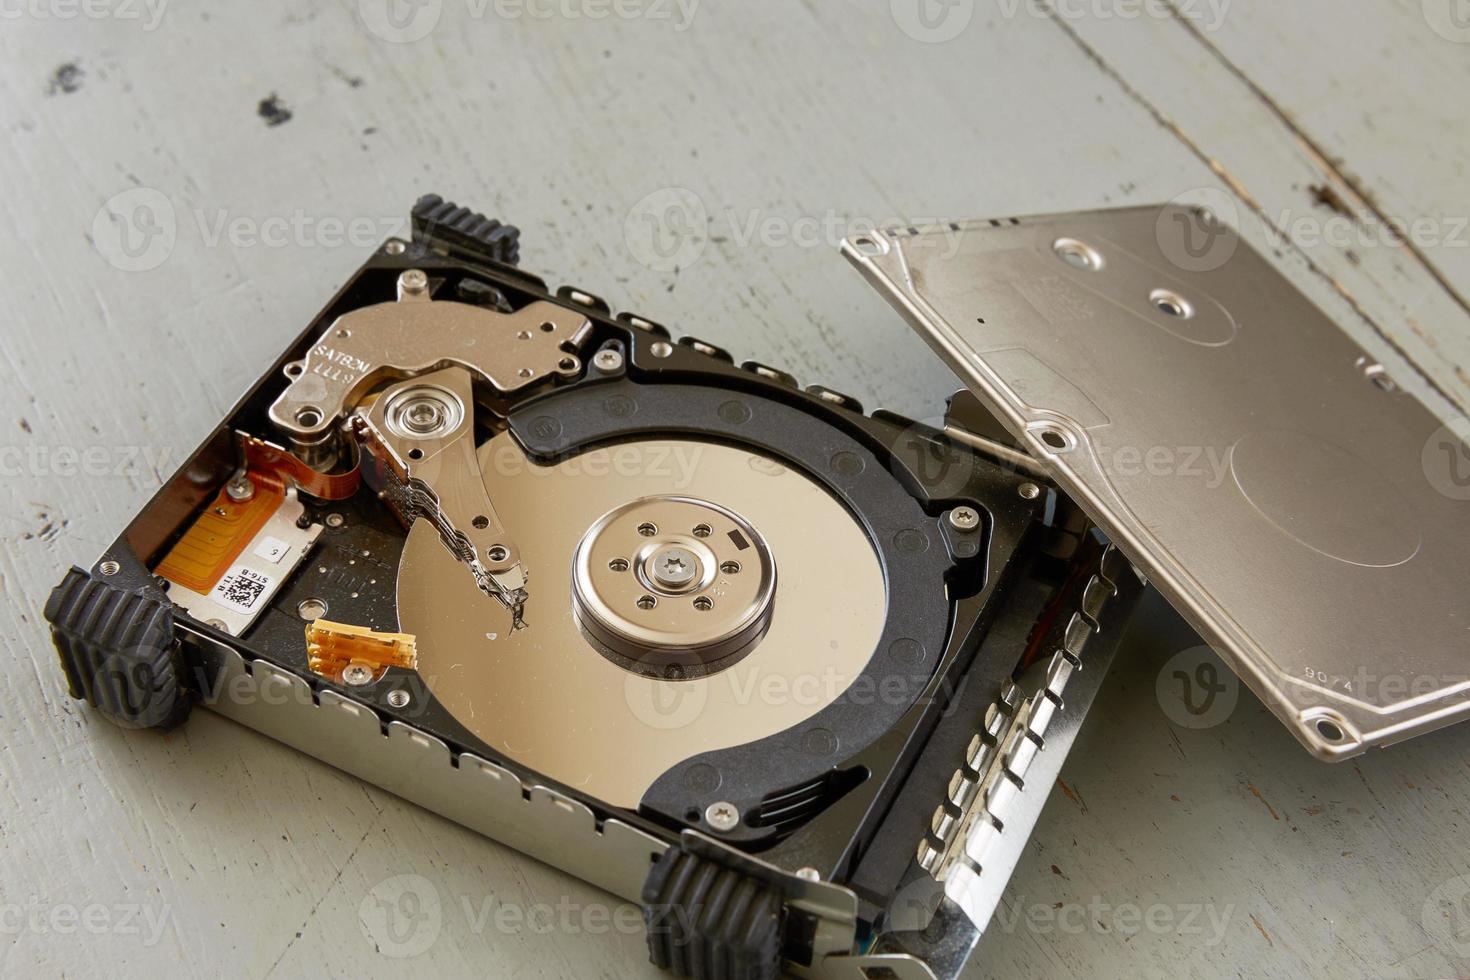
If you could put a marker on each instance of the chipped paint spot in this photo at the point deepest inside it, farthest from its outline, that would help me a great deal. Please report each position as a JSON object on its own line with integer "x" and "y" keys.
{"x": 273, "y": 110}
{"x": 1257, "y": 794}
{"x": 1072, "y": 795}
{"x": 66, "y": 79}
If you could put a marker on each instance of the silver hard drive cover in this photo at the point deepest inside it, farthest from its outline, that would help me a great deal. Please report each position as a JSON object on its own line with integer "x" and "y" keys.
{"x": 1310, "y": 518}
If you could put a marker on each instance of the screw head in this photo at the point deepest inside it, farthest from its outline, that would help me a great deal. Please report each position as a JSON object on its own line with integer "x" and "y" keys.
{"x": 809, "y": 874}
{"x": 674, "y": 567}
{"x": 240, "y": 489}
{"x": 413, "y": 281}
{"x": 722, "y": 816}
{"x": 1029, "y": 491}
{"x": 335, "y": 520}
{"x": 661, "y": 348}
{"x": 964, "y": 518}
{"x": 395, "y": 247}
{"x": 608, "y": 360}
{"x": 356, "y": 675}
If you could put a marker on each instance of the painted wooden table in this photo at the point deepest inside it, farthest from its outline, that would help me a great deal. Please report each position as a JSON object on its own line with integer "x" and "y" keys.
{"x": 185, "y": 183}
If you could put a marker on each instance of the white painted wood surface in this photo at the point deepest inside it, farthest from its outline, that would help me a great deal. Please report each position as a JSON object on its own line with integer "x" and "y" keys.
{"x": 214, "y": 852}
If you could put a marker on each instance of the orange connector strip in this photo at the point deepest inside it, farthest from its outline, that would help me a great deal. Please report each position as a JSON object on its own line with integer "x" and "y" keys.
{"x": 331, "y": 647}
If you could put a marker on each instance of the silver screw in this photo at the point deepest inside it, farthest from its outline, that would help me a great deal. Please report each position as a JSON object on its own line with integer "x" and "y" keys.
{"x": 675, "y": 567}
{"x": 395, "y": 247}
{"x": 608, "y": 360}
{"x": 1029, "y": 491}
{"x": 335, "y": 520}
{"x": 413, "y": 281}
{"x": 218, "y": 624}
{"x": 964, "y": 518}
{"x": 661, "y": 348}
{"x": 809, "y": 874}
{"x": 240, "y": 489}
{"x": 356, "y": 675}
{"x": 423, "y": 415}
{"x": 722, "y": 816}
{"x": 398, "y": 698}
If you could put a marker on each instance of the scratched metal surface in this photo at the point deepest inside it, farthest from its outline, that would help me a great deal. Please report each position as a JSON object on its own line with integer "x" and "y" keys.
{"x": 266, "y": 145}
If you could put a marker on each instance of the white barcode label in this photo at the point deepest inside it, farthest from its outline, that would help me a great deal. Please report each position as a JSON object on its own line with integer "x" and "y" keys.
{"x": 242, "y": 589}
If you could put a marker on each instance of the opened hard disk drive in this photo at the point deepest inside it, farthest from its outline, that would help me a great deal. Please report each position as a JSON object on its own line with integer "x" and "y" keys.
{"x": 794, "y": 677}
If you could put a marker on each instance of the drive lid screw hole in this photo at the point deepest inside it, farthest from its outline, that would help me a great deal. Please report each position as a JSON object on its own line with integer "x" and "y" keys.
{"x": 1077, "y": 254}
{"x": 1329, "y": 730}
{"x": 1170, "y": 303}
